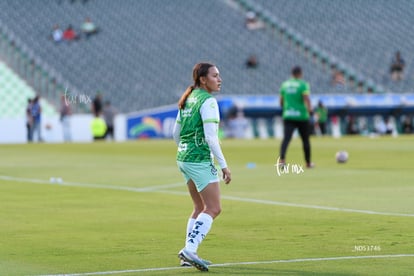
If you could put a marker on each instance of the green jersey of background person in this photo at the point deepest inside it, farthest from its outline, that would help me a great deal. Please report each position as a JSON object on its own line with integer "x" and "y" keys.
{"x": 292, "y": 92}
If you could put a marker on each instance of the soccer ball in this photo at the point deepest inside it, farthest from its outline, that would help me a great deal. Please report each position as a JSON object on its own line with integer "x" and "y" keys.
{"x": 341, "y": 156}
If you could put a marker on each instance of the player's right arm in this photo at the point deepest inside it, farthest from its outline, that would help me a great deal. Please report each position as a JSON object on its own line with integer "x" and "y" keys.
{"x": 177, "y": 129}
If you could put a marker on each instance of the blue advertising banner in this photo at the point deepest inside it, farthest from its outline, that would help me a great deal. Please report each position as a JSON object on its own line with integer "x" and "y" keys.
{"x": 159, "y": 122}
{"x": 155, "y": 123}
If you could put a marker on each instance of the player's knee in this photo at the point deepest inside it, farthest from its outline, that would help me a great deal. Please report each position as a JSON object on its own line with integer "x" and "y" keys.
{"x": 197, "y": 210}
{"x": 218, "y": 211}
{"x": 214, "y": 211}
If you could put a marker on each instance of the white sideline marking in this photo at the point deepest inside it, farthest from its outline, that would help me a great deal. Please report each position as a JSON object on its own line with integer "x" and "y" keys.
{"x": 308, "y": 206}
{"x": 270, "y": 202}
{"x": 159, "y": 189}
{"x": 241, "y": 263}
{"x": 89, "y": 185}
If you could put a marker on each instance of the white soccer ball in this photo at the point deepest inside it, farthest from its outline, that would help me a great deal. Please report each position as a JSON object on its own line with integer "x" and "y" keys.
{"x": 341, "y": 156}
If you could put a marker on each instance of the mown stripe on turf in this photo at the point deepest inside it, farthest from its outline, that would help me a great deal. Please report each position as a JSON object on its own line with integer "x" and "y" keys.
{"x": 160, "y": 189}
{"x": 280, "y": 203}
{"x": 90, "y": 185}
{"x": 240, "y": 263}
{"x": 299, "y": 205}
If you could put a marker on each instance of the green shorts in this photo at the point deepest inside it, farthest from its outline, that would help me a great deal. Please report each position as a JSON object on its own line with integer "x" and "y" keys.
{"x": 202, "y": 174}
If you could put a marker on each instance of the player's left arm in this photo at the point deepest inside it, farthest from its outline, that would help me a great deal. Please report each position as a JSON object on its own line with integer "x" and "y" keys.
{"x": 306, "y": 99}
{"x": 211, "y": 119}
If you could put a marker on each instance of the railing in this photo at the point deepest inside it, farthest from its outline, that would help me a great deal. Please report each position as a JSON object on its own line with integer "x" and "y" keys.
{"x": 47, "y": 83}
{"x": 357, "y": 81}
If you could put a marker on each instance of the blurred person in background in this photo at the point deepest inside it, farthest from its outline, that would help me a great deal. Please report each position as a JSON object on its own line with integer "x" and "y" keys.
{"x": 237, "y": 124}
{"x": 252, "y": 22}
{"x": 65, "y": 113}
{"x": 97, "y": 104}
{"x": 29, "y": 120}
{"x": 88, "y": 28}
{"x": 109, "y": 113}
{"x": 98, "y": 128}
{"x": 296, "y": 113}
{"x": 70, "y": 34}
{"x": 321, "y": 113}
{"x": 352, "y": 127}
{"x": 57, "y": 34}
{"x": 252, "y": 62}
{"x": 383, "y": 126}
{"x": 36, "y": 113}
{"x": 397, "y": 67}
{"x": 407, "y": 125}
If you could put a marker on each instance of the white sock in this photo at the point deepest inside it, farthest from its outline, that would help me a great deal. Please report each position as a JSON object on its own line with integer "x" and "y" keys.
{"x": 202, "y": 226}
{"x": 190, "y": 225}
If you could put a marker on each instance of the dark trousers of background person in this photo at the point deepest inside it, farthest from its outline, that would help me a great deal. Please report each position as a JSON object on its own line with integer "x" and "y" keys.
{"x": 304, "y": 132}
{"x": 322, "y": 127}
{"x": 29, "y": 132}
{"x": 36, "y": 129}
{"x": 99, "y": 138}
{"x": 109, "y": 132}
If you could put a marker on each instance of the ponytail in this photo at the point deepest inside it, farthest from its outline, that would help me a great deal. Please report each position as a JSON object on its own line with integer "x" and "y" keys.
{"x": 199, "y": 70}
{"x": 184, "y": 96}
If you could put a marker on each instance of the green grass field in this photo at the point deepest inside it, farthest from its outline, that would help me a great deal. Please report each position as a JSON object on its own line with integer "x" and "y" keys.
{"x": 122, "y": 210}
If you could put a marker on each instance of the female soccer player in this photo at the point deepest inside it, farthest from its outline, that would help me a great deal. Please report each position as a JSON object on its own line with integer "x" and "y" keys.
{"x": 196, "y": 135}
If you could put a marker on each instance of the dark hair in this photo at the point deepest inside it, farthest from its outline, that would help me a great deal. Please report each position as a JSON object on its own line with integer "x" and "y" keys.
{"x": 296, "y": 71}
{"x": 199, "y": 70}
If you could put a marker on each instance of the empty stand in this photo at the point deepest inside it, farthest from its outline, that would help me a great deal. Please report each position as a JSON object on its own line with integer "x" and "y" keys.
{"x": 144, "y": 54}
